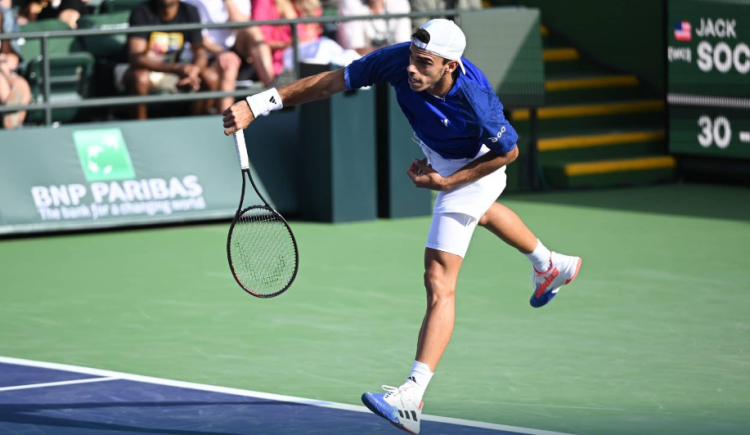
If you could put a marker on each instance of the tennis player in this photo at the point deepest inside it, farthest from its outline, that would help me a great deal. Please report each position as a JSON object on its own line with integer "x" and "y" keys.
{"x": 467, "y": 142}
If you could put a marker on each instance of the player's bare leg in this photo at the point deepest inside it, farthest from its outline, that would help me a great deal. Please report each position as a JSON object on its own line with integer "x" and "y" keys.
{"x": 504, "y": 223}
{"x": 440, "y": 277}
{"x": 403, "y": 406}
{"x": 551, "y": 269}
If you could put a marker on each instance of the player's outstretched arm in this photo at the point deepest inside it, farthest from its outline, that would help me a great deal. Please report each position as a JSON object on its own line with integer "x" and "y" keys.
{"x": 312, "y": 88}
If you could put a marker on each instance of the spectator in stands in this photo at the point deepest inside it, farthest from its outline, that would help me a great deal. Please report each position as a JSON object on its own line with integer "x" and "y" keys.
{"x": 156, "y": 58}
{"x": 14, "y": 90}
{"x": 230, "y": 47}
{"x": 279, "y": 38}
{"x": 67, "y": 11}
{"x": 439, "y": 5}
{"x": 367, "y": 36}
{"x": 313, "y": 47}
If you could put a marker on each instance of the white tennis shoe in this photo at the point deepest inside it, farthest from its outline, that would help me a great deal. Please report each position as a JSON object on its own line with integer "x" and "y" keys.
{"x": 563, "y": 270}
{"x": 397, "y": 406}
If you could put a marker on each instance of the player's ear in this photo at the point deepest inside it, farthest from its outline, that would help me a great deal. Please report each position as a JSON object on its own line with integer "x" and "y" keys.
{"x": 452, "y": 65}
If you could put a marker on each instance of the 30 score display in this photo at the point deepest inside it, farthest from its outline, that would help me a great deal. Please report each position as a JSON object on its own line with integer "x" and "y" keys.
{"x": 714, "y": 131}
{"x": 717, "y": 131}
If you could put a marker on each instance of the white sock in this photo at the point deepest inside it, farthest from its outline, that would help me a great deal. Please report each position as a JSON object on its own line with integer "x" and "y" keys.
{"x": 419, "y": 378}
{"x": 540, "y": 258}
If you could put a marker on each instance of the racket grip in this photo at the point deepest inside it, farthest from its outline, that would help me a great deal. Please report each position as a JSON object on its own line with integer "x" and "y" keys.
{"x": 239, "y": 143}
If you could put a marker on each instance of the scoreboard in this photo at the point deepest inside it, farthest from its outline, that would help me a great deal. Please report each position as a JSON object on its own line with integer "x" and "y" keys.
{"x": 708, "y": 55}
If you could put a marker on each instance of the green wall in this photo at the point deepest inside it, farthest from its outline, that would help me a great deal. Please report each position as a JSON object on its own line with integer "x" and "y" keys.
{"x": 626, "y": 34}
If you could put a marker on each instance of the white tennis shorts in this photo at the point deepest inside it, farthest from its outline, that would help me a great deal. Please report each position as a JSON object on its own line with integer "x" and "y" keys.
{"x": 457, "y": 211}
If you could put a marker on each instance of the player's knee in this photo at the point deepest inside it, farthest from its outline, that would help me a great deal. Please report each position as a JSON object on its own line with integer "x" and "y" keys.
{"x": 438, "y": 286}
{"x": 491, "y": 212}
{"x": 484, "y": 220}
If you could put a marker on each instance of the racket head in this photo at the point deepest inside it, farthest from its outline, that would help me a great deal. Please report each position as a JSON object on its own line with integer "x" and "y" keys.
{"x": 262, "y": 251}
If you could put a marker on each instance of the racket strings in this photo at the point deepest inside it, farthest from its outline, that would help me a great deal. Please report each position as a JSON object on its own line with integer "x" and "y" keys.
{"x": 263, "y": 251}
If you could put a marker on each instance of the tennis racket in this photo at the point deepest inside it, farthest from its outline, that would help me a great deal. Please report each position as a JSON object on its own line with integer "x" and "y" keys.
{"x": 261, "y": 248}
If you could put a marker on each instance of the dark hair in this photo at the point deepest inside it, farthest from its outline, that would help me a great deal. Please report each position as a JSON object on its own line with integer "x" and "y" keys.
{"x": 423, "y": 36}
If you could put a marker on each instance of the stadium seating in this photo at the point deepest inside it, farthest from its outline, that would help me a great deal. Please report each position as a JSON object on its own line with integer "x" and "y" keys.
{"x": 71, "y": 69}
{"x": 110, "y": 6}
{"x": 70, "y": 80}
{"x": 32, "y": 48}
{"x": 106, "y": 46}
{"x": 599, "y": 128}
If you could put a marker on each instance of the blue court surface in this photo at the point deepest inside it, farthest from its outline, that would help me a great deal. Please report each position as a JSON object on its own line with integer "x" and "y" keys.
{"x": 48, "y": 398}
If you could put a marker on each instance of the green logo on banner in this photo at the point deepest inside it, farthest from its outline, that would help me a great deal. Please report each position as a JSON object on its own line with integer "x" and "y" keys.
{"x": 103, "y": 155}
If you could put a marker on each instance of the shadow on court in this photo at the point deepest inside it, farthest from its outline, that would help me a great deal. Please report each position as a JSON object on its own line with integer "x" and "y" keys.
{"x": 58, "y": 402}
{"x": 696, "y": 200}
{"x": 19, "y": 416}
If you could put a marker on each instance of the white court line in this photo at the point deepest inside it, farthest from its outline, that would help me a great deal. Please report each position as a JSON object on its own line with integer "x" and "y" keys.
{"x": 55, "y": 384}
{"x": 259, "y": 395}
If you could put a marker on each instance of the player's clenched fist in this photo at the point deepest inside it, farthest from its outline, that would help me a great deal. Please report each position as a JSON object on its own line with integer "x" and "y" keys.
{"x": 237, "y": 117}
{"x": 423, "y": 176}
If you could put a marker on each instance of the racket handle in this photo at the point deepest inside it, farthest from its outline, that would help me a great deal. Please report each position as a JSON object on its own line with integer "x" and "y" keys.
{"x": 239, "y": 143}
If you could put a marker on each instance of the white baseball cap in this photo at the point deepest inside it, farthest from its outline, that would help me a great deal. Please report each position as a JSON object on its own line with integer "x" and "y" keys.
{"x": 447, "y": 40}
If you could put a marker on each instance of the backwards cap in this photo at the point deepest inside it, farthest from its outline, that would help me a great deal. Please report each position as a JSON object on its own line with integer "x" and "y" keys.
{"x": 447, "y": 40}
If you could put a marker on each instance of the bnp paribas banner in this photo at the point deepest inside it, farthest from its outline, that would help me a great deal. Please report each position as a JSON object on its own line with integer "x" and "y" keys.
{"x": 104, "y": 176}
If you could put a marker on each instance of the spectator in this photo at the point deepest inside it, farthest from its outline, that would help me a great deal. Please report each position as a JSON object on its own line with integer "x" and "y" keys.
{"x": 439, "y": 5}
{"x": 367, "y": 36}
{"x": 155, "y": 57}
{"x": 313, "y": 47}
{"x": 230, "y": 47}
{"x": 279, "y": 38}
{"x": 14, "y": 90}
{"x": 67, "y": 11}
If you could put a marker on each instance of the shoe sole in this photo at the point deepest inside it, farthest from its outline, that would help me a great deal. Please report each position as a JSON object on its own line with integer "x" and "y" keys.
{"x": 371, "y": 406}
{"x": 380, "y": 414}
{"x": 402, "y": 428}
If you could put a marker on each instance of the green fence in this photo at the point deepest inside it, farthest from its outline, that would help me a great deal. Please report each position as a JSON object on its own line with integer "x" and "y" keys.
{"x": 70, "y": 37}
{"x": 511, "y": 54}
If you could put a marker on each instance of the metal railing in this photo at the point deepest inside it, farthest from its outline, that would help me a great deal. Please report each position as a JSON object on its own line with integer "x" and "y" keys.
{"x": 48, "y": 106}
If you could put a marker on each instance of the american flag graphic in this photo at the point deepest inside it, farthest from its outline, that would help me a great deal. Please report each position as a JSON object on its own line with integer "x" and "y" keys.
{"x": 682, "y": 31}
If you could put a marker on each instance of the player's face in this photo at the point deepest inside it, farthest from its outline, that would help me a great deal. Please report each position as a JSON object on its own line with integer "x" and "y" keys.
{"x": 425, "y": 69}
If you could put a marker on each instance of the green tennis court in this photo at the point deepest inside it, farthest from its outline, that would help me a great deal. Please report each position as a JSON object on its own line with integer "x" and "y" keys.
{"x": 653, "y": 337}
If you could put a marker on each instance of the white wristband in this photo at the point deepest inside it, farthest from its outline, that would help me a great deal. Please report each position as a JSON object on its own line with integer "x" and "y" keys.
{"x": 265, "y": 102}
